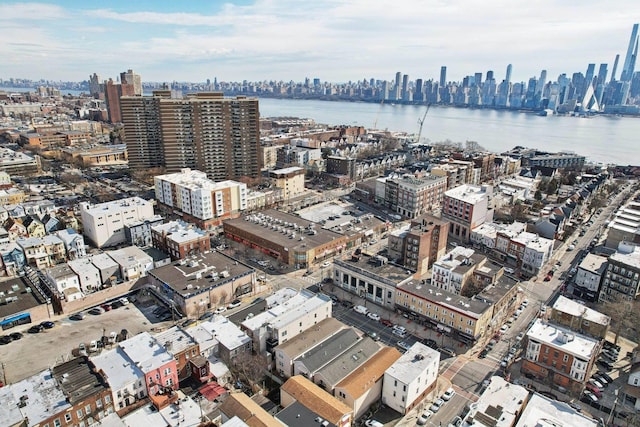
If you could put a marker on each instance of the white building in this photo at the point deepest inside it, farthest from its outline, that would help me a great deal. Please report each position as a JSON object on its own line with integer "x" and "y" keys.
{"x": 138, "y": 232}
{"x": 220, "y": 337}
{"x": 589, "y": 275}
{"x": 133, "y": 261}
{"x": 537, "y": 251}
{"x": 451, "y": 272}
{"x": 65, "y": 280}
{"x": 88, "y": 274}
{"x": 191, "y": 192}
{"x": 104, "y": 223}
{"x": 73, "y": 242}
{"x": 542, "y": 411}
{"x": 126, "y": 380}
{"x": 498, "y": 406}
{"x": 283, "y": 322}
{"x": 410, "y": 378}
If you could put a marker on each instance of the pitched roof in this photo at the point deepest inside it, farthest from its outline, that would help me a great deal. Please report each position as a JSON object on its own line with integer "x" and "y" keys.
{"x": 316, "y": 399}
{"x": 360, "y": 380}
{"x": 241, "y": 406}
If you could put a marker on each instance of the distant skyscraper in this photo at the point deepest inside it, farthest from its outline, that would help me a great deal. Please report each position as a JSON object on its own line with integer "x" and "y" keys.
{"x": 129, "y": 77}
{"x": 94, "y": 85}
{"x": 630, "y": 58}
{"x": 419, "y": 93}
{"x": 112, "y": 93}
{"x": 602, "y": 74}
{"x": 397, "y": 88}
{"x": 489, "y": 75}
{"x": 591, "y": 71}
{"x": 509, "y": 69}
{"x": 477, "y": 79}
{"x": 405, "y": 87}
{"x": 443, "y": 76}
{"x": 615, "y": 68}
{"x": 541, "y": 82}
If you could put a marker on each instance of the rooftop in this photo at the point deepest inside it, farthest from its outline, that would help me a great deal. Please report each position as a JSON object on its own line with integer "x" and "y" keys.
{"x": 201, "y": 272}
{"x": 283, "y": 229}
{"x": 415, "y": 361}
{"x": 186, "y": 414}
{"x": 117, "y": 368}
{"x": 9, "y": 412}
{"x": 114, "y": 206}
{"x": 632, "y": 259}
{"x": 146, "y": 352}
{"x": 311, "y": 337}
{"x": 569, "y": 306}
{"x": 377, "y": 266}
{"x": 300, "y": 311}
{"x": 179, "y": 231}
{"x": 40, "y": 395}
{"x": 357, "y": 355}
{"x": 243, "y": 407}
{"x": 544, "y": 412}
{"x": 471, "y": 307}
{"x": 498, "y": 406}
{"x": 130, "y": 255}
{"x": 16, "y": 296}
{"x": 363, "y": 378}
{"x": 226, "y": 332}
{"x": 316, "y": 399}
{"x": 175, "y": 340}
{"x": 471, "y": 194}
{"x": 323, "y": 353}
{"x": 276, "y": 311}
{"x": 297, "y": 414}
{"x": 78, "y": 380}
{"x": 196, "y": 180}
{"x": 564, "y": 339}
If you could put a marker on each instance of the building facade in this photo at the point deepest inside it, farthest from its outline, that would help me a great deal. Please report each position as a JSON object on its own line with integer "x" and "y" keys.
{"x": 467, "y": 207}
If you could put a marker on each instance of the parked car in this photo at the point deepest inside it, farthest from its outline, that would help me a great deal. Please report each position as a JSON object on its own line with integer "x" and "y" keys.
{"x": 326, "y": 264}
{"x": 235, "y": 303}
{"x": 386, "y": 322}
{"x": 593, "y": 389}
{"x": 435, "y": 407}
{"x": 106, "y": 307}
{"x": 220, "y": 310}
{"x": 589, "y": 397}
{"x": 373, "y": 316}
{"x": 520, "y": 336}
{"x": 374, "y": 336}
{"x": 78, "y": 316}
{"x": 96, "y": 311}
{"x": 605, "y": 365}
{"x": 35, "y": 329}
{"x": 448, "y": 394}
{"x": 605, "y": 376}
{"x": 598, "y": 377}
{"x": 361, "y": 309}
{"x": 5, "y": 339}
{"x": 400, "y": 328}
{"x": 15, "y": 336}
{"x": 47, "y": 324}
{"x": 504, "y": 329}
{"x": 430, "y": 343}
{"x": 373, "y": 423}
{"x": 403, "y": 345}
{"x": 398, "y": 333}
{"x": 422, "y": 419}
{"x": 596, "y": 383}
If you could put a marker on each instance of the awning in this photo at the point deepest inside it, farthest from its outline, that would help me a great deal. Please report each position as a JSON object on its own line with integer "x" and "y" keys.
{"x": 212, "y": 391}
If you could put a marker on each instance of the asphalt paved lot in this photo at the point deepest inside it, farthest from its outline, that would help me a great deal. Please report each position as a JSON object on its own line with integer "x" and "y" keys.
{"x": 36, "y": 352}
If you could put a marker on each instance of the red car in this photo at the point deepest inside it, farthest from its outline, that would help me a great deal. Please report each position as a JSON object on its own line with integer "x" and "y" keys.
{"x": 106, "y": 307}
{"x": 386, "y": 322}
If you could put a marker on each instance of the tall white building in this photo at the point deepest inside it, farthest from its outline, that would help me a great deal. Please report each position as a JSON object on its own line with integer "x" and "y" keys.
{"x": 192, "y": 193}
{"x": 410, "y": 378}
{"x": 467, "y": 207}
{"x": 104, "y": 223}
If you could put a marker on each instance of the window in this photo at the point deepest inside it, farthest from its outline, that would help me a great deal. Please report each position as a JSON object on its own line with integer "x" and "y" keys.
{"x": 87, "y": 409}
{"x": 67, "y": 417}
{"x": 79, "y": 413}
{"x": 565, "y": 358}
{"x": 98, "y": 403}
{"x": 107, "y": 399}
{"x": 57, "y": 423}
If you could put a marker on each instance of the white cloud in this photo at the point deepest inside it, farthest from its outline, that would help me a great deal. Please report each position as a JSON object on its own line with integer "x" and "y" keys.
{"x": 31, "y": 12}
{"x": 337, "y": 40}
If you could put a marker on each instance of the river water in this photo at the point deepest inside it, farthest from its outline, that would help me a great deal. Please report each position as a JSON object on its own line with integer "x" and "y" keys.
{"x": 604, "y": 139}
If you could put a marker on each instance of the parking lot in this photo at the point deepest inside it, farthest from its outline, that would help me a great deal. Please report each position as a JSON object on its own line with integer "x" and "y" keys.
{"x": 36, "y": 352}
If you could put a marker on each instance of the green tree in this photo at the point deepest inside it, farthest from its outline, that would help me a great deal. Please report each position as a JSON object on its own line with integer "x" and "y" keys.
{"x": 538, "y": 195}
{"x": 552, "y": 187}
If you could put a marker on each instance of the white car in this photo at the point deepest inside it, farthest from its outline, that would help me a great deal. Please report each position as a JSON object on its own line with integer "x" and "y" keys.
{"x": 525, "y": 303}
{"x": 504, "y": 329}
{"x": 124, "y": 300}
{"x": 220, "y": 310}
{"x": 448, "y": 394}
{"x": 436, "y": 405}
{"x": 326, "y": 264}
{"x": 422, "y": 419}
{"x": 373, "y": 316}
{"x": 399, "y": 333}
{"x": 400, "y": 329}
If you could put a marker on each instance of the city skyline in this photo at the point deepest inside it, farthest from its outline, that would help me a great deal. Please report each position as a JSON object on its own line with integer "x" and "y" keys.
{"x": 334, "y": 40}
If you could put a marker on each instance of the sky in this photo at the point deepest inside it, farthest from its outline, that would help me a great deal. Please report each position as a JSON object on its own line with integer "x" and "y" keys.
{"x": 333, "y": 40}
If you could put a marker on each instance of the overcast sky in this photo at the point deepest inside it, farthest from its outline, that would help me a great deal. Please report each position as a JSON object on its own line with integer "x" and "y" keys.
{"x": 334, "y": 40}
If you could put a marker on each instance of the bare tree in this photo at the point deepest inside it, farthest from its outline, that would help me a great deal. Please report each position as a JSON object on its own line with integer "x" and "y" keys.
{"x": 623, "y": 316}
{"x": 249, "y": 368}
{"x": 223, "y": 296}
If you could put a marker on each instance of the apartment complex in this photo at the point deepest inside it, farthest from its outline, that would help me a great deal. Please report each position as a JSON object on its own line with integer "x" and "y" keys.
{"x": 589, "y": 276}
{"x": 291, "y": 180}
{"x": 180, "y": 239}
{"x": 204, "y": 131}
{"x": 198, "y": 199}
{"x": 560, "y": 355}
{"x": 412, "y": 197}
{"x": 455, "y": 270}
{"x": 578, "y": 317}
{"x": 467, "y": 207}
{"x": 622, "y": 277}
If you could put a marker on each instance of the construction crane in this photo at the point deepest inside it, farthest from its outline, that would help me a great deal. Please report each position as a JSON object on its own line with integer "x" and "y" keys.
{"x": 375, "y": 123}
{"x": 421, "y": 122}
